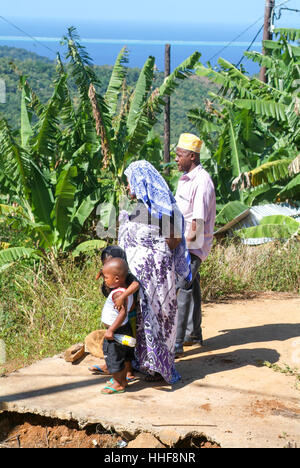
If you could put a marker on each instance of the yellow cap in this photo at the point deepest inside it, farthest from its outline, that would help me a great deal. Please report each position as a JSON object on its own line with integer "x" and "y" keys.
{"x": 190, "y": 142}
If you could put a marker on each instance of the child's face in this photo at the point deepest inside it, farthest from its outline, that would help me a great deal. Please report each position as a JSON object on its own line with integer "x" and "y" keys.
{"x": 110, "y": 279}
{"x": 100, "y": 273}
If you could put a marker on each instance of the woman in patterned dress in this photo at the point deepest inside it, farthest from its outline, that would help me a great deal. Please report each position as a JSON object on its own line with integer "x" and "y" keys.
{"x": 152, "y": 237}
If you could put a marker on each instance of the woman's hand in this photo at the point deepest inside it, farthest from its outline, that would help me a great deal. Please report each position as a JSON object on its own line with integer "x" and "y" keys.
{"x": 99, "y": 274}
{"x": 173, "y": 242}
{"x": 119, "y": 301}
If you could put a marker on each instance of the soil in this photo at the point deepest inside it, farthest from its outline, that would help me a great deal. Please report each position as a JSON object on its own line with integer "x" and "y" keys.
{"x": 34, "y": 431}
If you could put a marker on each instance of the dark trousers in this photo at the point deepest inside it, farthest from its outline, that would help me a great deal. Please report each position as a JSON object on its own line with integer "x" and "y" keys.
{"x": 189, "y": 306}
{"x": 116, "y": 354}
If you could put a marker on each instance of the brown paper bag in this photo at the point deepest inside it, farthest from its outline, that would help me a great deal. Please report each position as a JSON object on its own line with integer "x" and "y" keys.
{"x": 93, "y": 343}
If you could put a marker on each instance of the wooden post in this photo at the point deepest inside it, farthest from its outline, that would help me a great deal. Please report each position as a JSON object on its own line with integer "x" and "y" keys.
{"x": 269, "y": 5}
{"x": 167, "y": 111}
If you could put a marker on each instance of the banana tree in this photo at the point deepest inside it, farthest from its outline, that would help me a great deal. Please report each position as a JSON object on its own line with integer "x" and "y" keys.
{"x": 69, "y": 154}
{"x": 252, "y": 128}
{"x": 124, "y": 117}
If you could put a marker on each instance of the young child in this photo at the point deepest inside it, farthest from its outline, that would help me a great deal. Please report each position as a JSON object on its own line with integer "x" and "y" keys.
{"x": 115, "y": 272}
{"x": 114, "y": 251}
{"x": 132, "y": 287}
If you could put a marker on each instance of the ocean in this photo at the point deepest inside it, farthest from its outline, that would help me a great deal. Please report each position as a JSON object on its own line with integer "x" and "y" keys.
{"x": 103, "y": 41}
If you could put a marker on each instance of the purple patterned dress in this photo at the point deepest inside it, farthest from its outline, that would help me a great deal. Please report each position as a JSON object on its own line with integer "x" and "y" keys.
{"x": 152, "y": 262}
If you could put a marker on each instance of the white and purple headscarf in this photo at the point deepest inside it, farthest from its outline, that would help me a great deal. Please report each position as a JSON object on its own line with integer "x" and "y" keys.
{"x": 147, "y": 184}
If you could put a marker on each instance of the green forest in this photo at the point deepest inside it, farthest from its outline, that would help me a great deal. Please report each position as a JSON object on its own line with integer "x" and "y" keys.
{"x": 40, "y": 71}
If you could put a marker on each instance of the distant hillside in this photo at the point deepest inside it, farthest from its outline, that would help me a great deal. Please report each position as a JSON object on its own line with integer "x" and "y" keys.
{"x": 21, "y": 54}
{"x": 40, "y": 72}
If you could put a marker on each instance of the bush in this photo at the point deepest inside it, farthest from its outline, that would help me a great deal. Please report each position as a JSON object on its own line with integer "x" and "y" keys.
{"x": 45, "y": 310}
{"x": 234, "y": 268}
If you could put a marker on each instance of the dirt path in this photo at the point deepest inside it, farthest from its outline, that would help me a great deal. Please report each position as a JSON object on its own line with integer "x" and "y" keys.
{"x": 240, "y": 390}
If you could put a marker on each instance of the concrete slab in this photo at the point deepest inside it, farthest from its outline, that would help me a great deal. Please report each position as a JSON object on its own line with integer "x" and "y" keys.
{"x": 225, "y": 392}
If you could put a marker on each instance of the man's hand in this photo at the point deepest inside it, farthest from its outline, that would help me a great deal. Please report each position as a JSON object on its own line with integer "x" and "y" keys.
{"x": 195, "y": 236}
{"x": 192, "y": 232}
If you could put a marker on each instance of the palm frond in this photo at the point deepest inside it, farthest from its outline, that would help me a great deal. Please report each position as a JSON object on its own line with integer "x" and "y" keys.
{"x": 291, "y": 34}
{"x": 294, "y": 167}
{"x": 140, "y": 94}
{"x": 47, "y": 129}
{"x": 155, "y": 103}
{"x": 16, "y": 162}
{"x": 116, "y": 81}
{"x": 270, "y": 172}
{"x": 13, "y": 254}
{"x": 264, "y": 108}
{"x": 64, "y": 199}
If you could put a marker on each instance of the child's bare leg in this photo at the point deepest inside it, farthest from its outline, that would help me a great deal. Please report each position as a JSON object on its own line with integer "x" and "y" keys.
{"x": 129, "y": 370}
{"x": 118, "y": 382}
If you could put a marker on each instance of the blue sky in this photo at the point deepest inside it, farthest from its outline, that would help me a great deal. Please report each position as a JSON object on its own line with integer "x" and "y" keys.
{"x": 187, "y": 11}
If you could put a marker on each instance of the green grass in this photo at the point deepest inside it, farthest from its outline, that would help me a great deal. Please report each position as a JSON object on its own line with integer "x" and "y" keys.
{"x": 236, "y": 269}
{"x": 47, "y": 309}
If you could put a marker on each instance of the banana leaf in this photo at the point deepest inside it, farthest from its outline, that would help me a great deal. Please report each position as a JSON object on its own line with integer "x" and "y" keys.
{"x": 290, "y": 34}
{"x": 80, "y": 216}
{"x": 230, "y": 211}
{"x": 140, "y": 94}
{"x": 264, "y": 108}
{"x": 16, "y": 160}
{"x": 13, "y": 254}
{"x": 26, "y": 130}
{"x": 64, "y": 199}
{"x": 291, "y": 190}
{"x": 270, "y": 172}
{"x": 116, "y": 81}
{"x": 89, "y": 246}
{"x": 294, "y": 167}
{"x": 47, "y": 127}
{"x": 238, "y": 160}
{"x": 274, "y": 227}
{"x": 155, "y": 103}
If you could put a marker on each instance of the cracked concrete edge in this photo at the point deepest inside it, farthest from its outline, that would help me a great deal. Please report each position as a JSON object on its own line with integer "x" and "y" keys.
{"x": 168, "y": 437}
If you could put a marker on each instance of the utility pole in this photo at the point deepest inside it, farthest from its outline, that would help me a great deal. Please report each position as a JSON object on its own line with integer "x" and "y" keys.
{"x": 167, "y": 111}
{"x": 269, "y": 6}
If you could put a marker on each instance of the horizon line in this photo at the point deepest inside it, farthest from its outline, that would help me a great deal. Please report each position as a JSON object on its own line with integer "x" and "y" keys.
{"x": 132, "y": 41}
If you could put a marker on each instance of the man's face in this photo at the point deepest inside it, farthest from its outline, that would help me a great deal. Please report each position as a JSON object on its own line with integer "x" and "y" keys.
{"x": 184, "y": 159}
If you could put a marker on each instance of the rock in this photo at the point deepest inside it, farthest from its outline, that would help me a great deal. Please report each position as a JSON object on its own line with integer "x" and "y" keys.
{"x": 169, "y": 437}
{"x": 74, "y": 353}
{"x": 145, "y": 440}
{"x": 93, "y": 343}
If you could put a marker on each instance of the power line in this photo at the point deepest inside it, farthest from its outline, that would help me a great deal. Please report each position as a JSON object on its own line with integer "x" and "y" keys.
{"x": 253, "y": 40}
{"x": 29, "y": 35}
{"x": 236, "y": 38}
{"x": 243, "y": 32}
{"x": 249, "y": 47}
